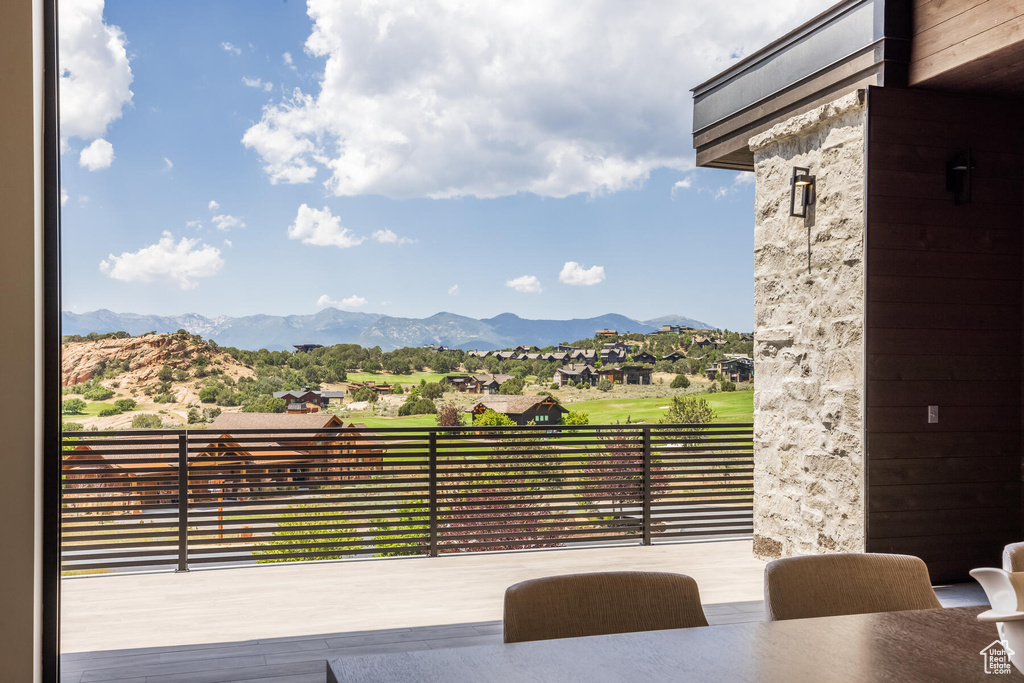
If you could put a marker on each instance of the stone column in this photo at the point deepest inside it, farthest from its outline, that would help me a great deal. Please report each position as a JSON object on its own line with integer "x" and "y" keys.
{"x": 808, "y": 339}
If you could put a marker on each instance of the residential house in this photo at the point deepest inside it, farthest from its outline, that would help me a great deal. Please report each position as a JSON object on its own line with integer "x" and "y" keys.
{"x": 488, "y": 384}
{"x": 349, "y": 449}
{"x": 583, "y": 356}
{"x": 645, "y": 357}
{"x": 478, "y": 384}
{"x": 379, "y": 389}
{"x": 735, "y": 369}
{"x": 606, "y": 333}
{"x": 540, "y": 410}
{"x": 674, "y": 356}
{"x": 303, "y": 348}
{"x": 303, "y": 396}
{"x": 575, "y": 374}
{"x": 626, "y": 373}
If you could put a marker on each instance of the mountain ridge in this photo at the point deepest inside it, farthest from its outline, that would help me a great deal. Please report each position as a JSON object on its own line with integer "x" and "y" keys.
{"x": 333, "y": 326}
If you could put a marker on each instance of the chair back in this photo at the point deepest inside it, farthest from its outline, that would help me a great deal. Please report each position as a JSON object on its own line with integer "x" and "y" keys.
{"x": 577, "y": 605}
{"x": 845, "y": 583}
{"x": 1013, "y": 557}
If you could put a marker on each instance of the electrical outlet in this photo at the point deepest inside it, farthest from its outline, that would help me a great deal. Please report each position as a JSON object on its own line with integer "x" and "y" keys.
{"x": 933, "y": 415}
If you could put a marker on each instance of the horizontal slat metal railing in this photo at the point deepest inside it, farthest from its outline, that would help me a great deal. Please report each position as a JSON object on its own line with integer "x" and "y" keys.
{"x": 177, "y": 499}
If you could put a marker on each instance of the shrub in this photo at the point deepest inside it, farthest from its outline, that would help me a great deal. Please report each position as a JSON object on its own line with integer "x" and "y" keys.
{"x": 71, "y": 426}
{"x": 208, "y": 394}
{"x": 397, "y": 388}
{"x": 97, "y": 392}
{"x": 125, "y": 404}
{"x": 109, "y": 411}
{"x": 604, "y": 384}
{"x": 492, "y": 418}
{"x": 364, "y": 394}
{"x": 262, "y": 404}
{"x": 166, "y": 374}
{"x": 73, "y": 406}
{"x": 448, "y": 415}
{"x": 728, "y": 385}
{"x": 147, "y": 421}
{"x": 554, "y": 385}
{"x": 680, "y": 382}
{"x": 166, "y": 397}
{"x": 417, "y": 406}
{"x": 432, "y": 390}
{"x": 689, "y": 410}
{"x": 576, "y": 418}
{"x": 512, "y": 387}
{"x": 226, "y": 397}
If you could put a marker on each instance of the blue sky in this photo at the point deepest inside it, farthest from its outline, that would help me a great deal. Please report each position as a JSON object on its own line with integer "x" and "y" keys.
{"x": 233, "y": 158}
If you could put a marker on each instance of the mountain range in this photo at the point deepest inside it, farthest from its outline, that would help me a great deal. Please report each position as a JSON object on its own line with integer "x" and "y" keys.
{"x": 331, "y": 326}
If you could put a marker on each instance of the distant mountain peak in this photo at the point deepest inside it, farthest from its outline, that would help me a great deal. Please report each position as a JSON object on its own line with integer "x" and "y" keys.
{"x": 334, "y": 326}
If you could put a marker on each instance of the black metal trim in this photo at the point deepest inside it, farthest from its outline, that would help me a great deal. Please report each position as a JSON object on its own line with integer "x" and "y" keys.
{"x": 50, "y": 651}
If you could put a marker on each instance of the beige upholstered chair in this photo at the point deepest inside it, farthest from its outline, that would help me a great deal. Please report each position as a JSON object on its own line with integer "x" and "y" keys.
{"x": 1013, "y": 557}
{"x": 595, "y": 604}
{"x": 854, "y": 583}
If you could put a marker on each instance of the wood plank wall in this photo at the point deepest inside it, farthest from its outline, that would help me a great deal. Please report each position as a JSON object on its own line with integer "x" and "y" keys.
{"x": 944, "y": 311}
{"x": 968, "y": 44}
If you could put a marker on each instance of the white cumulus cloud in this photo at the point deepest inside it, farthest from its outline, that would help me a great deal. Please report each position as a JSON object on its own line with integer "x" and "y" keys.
{"x": 527, "y": 284}
{"x": 167, "y": 262}
{"x": 286, "y": 58}
{"x": 388, "y": 236}
{"x": 168, "y": 164}
{"x": 231, "y": 49}
{"x": 321, "y": 228}
{"x": 684, "y": 184}
{"x": 453, "y": 290}
{"x": 63, "y": 196}
{"x": 213, "y": 205}
{"x": 97, "y": 156}
{"x": 258, "y": 83}
{"x": 96, "y": 77}
{"x": 491, "y": 98}
{"x": 575, "y": 274}
{"x": 353, "y": 301}
{"x": 227, "y": 222}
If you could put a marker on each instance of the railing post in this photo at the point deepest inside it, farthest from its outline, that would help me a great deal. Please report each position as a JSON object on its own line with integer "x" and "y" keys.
{"x": 432, "y": 486}
{"x": 647, "y": 485}
{"x": 182, "y": 502}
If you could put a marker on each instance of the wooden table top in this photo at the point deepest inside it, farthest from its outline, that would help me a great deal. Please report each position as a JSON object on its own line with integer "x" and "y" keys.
{"x": 920, "y": 645}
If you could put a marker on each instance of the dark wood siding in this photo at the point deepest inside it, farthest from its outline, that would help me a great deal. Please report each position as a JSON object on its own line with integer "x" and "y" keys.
{"x": 944, "y": 297}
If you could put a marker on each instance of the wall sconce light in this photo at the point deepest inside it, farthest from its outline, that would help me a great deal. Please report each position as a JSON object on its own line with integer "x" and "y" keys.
{"x": 802, "y": 184}
{"x": 959, "y": 172}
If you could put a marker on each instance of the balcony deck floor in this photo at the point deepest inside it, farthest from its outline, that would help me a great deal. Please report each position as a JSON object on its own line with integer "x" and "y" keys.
{"x": 279, "y": 623}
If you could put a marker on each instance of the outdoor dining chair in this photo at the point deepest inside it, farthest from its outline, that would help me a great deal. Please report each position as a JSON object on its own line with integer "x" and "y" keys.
{"x": 600, "y": 603}
{"x": 845, "y": 583}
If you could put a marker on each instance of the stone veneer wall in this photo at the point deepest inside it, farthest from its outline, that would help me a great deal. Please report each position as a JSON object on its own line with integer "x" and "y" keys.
{"x": 809, "y": 335}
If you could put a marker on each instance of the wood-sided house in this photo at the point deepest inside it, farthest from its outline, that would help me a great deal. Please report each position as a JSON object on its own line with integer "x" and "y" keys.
{"x": 329, "y": 447}
{"x": 541, "y": 410}
{"x": 674, "y": 356}
{"x": 576, "y": 373}
{"x": 304, "y": 396}
{"x": 626, "y": 373}
{"x": 384, "y": 389}
{"x": 645, "y": 357}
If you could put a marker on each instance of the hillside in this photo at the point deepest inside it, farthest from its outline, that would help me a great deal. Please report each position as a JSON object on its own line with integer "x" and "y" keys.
{"x": 130, "y": 367}
{"x": 331, "y": 326}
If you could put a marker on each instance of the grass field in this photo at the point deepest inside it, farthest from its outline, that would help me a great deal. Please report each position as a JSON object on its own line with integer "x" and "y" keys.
{"x": 733, "y": 406}
{"x": 404, "y": 380}
{"x": 91, "y": 410}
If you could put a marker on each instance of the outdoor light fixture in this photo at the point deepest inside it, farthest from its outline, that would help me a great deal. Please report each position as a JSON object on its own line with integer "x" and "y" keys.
{"x": 959, "y": 172}
{"x": 801, "y": 183}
